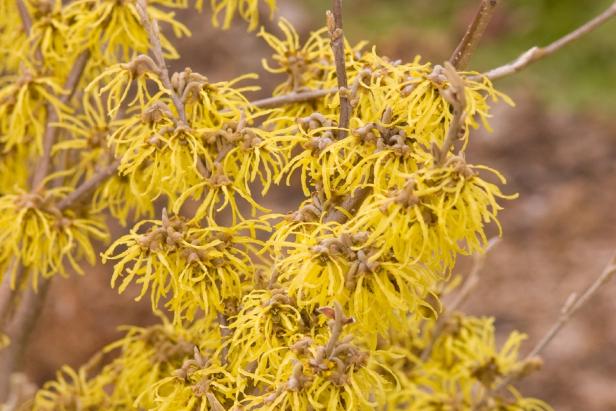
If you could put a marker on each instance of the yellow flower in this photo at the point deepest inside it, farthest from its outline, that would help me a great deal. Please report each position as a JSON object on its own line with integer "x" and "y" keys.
{"x": 313, "y": 135}
{"x": 249, "y": 10}
{"x": 24, "y": 99}
{"x": 378, "y": 290}
{"x": 13, "y": 41}
{"x": 44, "y": 238}
{"x": 85, "y": 133}
{"x": 434, "y": 214}
{"x": 49, "y": 35}
{"x": 327, "y": 370}
{"x": 195, "y": 269}
{"x": 201, "y": 384}
{"x": 118, "y": 26}
{"x": 14, "y": 170}
{"x": 116, "y": 81}
{"x": 464, "y": 362}
{"x": 158, "y": 155}
{"x": 308, "y": 66}
{"x": 211, "y": 104}
{"x": 116, "y": 196}
{"x": 71, "y": 390}
{"x": 141, "y": 358}
{"x": 268, "y": 321}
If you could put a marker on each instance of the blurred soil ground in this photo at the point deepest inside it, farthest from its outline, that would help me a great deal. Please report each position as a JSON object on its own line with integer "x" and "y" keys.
{"x": 557, "y": 236}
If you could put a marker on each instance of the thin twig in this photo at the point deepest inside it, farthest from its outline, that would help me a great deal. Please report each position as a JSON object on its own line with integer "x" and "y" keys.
{"x": 469, "y": 285}
{"x": 294, "y": 97}
{"x": 475, "y": 31}
{"x": 151, "y": 27}
{"x": 23, "y": 325}
{"x": 573, "y": 304}
{"x": 334, "y": 24}
{"x": 26, "y": 21}
{"x": 51, "y": 131}
{"x": 88, "y": 185}
{"x": 537, "y": 53}
{"x": 72, "y": 81}
{"x": 225, "y": 332}
{"x": 10, "y": 288}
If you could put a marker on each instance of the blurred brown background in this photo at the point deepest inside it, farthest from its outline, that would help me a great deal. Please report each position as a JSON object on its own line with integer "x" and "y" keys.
{"x": 557, "y": 148}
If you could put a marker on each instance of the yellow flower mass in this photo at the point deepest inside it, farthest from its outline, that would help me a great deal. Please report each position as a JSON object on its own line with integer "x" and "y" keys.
{"x": 334, "y": 306}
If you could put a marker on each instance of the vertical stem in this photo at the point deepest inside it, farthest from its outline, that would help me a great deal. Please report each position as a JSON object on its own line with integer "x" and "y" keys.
{"x": 19, "y": 333}
{"x": 473, "y": 35}
{"x": 151, "y": 27}
{"x": 334, "y": 24}
{"x": 456, "y": 97}
{"x": 51, "y": 131}
{"x": 11, "y": 286}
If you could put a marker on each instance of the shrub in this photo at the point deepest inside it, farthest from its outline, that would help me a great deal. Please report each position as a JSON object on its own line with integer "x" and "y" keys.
{"x": 337, "y": 305}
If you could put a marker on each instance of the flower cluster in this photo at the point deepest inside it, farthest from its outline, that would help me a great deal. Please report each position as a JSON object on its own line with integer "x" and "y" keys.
{"x": 337, "y": 305}
{"x": 41, "y": 238}
{"x": 192, "y": 267}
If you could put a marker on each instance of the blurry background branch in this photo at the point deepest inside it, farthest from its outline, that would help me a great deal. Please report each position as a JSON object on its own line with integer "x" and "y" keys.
{"x": 573, "y": 304}
{"x": 537, "y": 53}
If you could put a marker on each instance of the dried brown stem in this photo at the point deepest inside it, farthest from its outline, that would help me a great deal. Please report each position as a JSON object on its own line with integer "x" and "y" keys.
{"x": 334, "y": 24}
{"x": 151, "y": 27}
{"x": 89, "y": 185}
{"x": 291, "y": 98}
{"x": 51, "y": 131}
{"x": 537, "y": 53}
{"x": 19, "y": 332}
{"x": 26, "y": 22}
{"x": 226, "y": 333}
{"x": 475, "y": 31}
{"x": 10, "y": 288}
{"x": 7, "y": 297}
{"x": 573, "y": 304}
